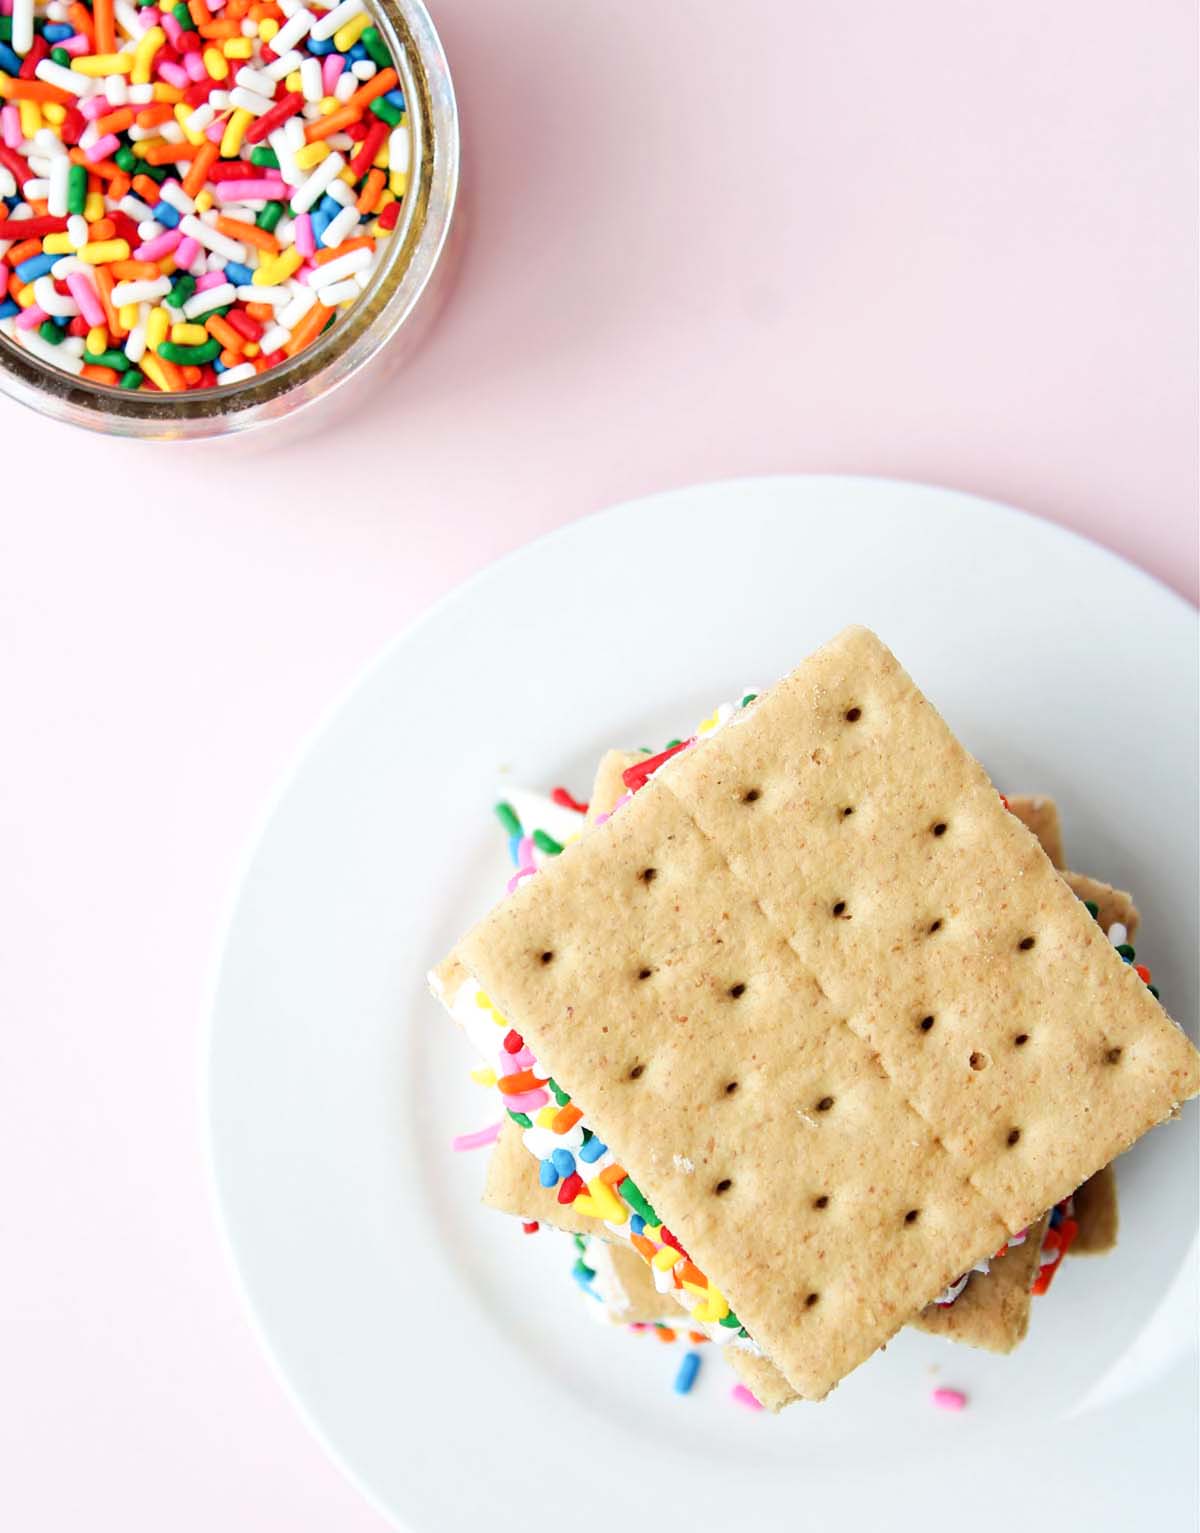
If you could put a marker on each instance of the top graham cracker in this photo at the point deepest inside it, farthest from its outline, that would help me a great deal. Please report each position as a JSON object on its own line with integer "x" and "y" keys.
{"x": 786, "y": 983}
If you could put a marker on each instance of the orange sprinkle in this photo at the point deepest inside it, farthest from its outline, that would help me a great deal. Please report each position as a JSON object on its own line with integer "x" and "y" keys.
{"x": 690, "y": 1273}
{"x": 199, "y": 12}
{"x": 664, "y": 1333}
{"x": 167, "y": 154}
{"x": 22, "y": 252}
{"x": 371, "y": 192}
{"x": 307, "y": 330}
{"x": 81, "y": 19}
{"x": 613, "y": 1174}
{"x": 118, "y": 187}
{"x": 249, "y": 234}
{"x": 107, "y": 170}
{"x": 231, "y": 358}
{"x": 106, "y": 32}
{"x": 14, "y": 89}
{"x": 197, "y": 175}
{"x": 325, "y": 127}
{"x": 146, "y": 189}
{"x": 133, "y": 271}
{"x": 105, "y": 282}
{"x": 102, "y": 229}
{"x": 377, "y": 85}
{"x": 158, "y": 112}
{"x": 260, "y": 311}
{"x": 116, "y": 122}
{"x": 521, "y": 1080}
{"x": 566, "y": 1117}
{"x": 646, "y": 1247}
{"x": 192, "y": 374}
{"x": 697, "y": 1337}
{"x": 363, "y": 242}
{"x": 221, "y": 330}
{"x": 100, "y": 374}
{"x": 218, "y": 30}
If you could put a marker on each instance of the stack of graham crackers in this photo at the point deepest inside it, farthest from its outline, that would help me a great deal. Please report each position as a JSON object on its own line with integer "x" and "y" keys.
{"x": 810, "y": 1026}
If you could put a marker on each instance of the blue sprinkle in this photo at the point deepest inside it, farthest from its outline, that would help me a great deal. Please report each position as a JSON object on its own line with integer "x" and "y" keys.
{"x": 1056, "y": 1217}
{"x": 686, "y": 1377}
{"x": 636, "y": 1224}
{"x": 357, "y": 55}
{"x": 564, "y": 1161}
{"x": 548, "y": 1174}
{"x": 514, "y": 849}
{"x": 320, "y": 222}
{"x": 395, "y": 98}
{"x": 239, "y": 275}
{"x": 166, "y": 215}
{"x": 8, "y": 308}
{"x": 592, "y": 1150}
{"x": 319, "y": 48}
{"x": 217, "y": 365}
{"x": 10, "y": 62}
{"x": 330, "y": 205}
{"x": 61, "y": 320}
{"x": 57, "y": 33}
{"x": 36, "y": 266}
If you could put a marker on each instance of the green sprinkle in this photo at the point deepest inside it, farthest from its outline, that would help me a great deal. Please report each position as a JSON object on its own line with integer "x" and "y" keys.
{"x": 1092, "y": 909}
{"x": 182, "y": 289}
{"x": 132, "y": 379}
{"x": 5, "y": 29}
{"x": 1153, "y": 989}
{"x": 49, "y": 331}
{"x": 547, "y": 844}
{"x": 507, "y": 816}
{"x": 580, "y": 1244}
{"x": 126, "y": 159}
{"x": 384, "y": 109}
{"x": 76, "y": 189}
{"x": 183, "y": 17}
{"x": 376, "y": 47}
{"x": 270, "y": 216}
{"x": 632, "y": 1194}
{"x": 748, "y": 699}
{"x": 671, "y": 744}
{"x": 190, "y": 356}
{"x": 1126, "y": 952}
{"x": 731, "y": 1320}
{"x": 560, "y": 1096}
{"x": 587, "y": 1133}
{"x": 113, "y": 358}
{"x": 157, "y": 173}
{"x": 519, "y": 1117}
{"x": 582, "y": 1270}
{"x": 61, "y": 57}
{"x": 261, "y": 155}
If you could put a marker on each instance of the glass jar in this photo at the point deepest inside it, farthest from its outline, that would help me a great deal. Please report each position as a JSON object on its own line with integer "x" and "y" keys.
{"x": 372, "y": 336}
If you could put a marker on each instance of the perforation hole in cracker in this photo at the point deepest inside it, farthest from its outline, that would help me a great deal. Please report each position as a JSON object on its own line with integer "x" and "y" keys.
{"x": 839, "y": 911}
{"x": 939, "y": 828}
{"x": 1026, "y": 943}
{"x": 645, "y": 973}
{"x": 751, "y": 795}
{"x": 821, "y": 1201}
{"x": 824, "y": 1104}
{"x": 853, "y": 714}
{"x": 723, "y": 1186}
{"x": 912, "y": 1216}
{"x": 1113, "y": 1055}
{"x": 547, "y": 956}
{"x": 925, "y": 1025}
{"x": 979, "y": 1060}
{"x": 635, "y": 1072}
{"x": 846, "y": 811}
{"x": 648, "y": 875}
{"x": 737, "y": 991}
{"x": 1020, "y": 1040}
{"x": 1014, "y": 1135}
{"x": 730, "y": 1088}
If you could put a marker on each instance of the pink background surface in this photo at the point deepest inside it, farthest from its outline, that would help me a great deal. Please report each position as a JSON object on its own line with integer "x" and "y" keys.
{"x": 942, "y": 242}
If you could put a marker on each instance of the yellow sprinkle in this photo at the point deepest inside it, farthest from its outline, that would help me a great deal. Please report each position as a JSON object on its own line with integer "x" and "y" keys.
{"x": 665, "y": 1259}
{"x": 182, "y": 113}
{"x": 98, "y": 252}
{"x": 707, "y": 724}
{"x": 384, "y": 199}
{"x": 312, "y": 154}
{"x": 188, "y": 335}
{"x": 267, "y": 28}
{"x": 54, "y": 112}
{"x": 158, "y": 327}
{"x": 97, "y": 340}
{"x": 235, "y": 131}
{"x": 293, "y": 81}
{"x": 57, "y": 244}
{"x": 271, "y": 274}
{"x": 250, "y": 350}
{"x": 128, "y": 315}
{"x": 25, "y": 296}
{"x": 398, "y": 181}
{"x": 346, "y": 36}
{"x": 166, "y": 268}
{"x": 327, "y": 105}
{"x": 348, "y": 177}
{"x": 95, "y": 65}
{"x": 153, "y": 369}
{"x": 168, "y": 93}
{"x": 713, "y": 1309}
{"x": 585, "y": 1205}
{"x": 143, "y": 55}
{"x": 143, "y": 145}
{"x": 485, "y": 1075}
{"x": 481, "y": 1000}
{"x": 204, "y": 201}
{"x": 93, "y": 207}
{"x": 545, "y": 1116}
{"x": 31, "y": 118}
{"x": 380, "y": 162}
{"x": 611, "y": 1207}
{"x": 237, "y": 48}
{"x": 216, "y": 63}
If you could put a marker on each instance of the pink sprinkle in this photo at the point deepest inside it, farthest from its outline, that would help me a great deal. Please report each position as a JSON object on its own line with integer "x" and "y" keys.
{"x": 949, "y": 1399}
{"x": 151, "y": 16}
{"x": 518, "y": 876}
{"x": 742, "y": 1395}
{"x": 82, "y": 291}
{"x": 173, "y": 30}
{"x": 102, "y": 148}
{"x": 211, "y": 279}
{"x": 161, "y": 245}
{"x": 477, "y": 1140}
{"x": 30, "y": 318}
{"x": 524, "y": 1058}
{"x": 75, "y": 46}
{"x": 268, "y": 190}
{"x": 10, "y": 125}
{"x": 302, "y": 236}
{"x": 96, "y": 107}
{"x": 526, "y": 1101}
{"x": 193, "y": 62}
{"x": 331, "y": 66}
{"x": 215, "y": 131}
{"x": 175, "y": 74}
{"x": 187, "y": 252}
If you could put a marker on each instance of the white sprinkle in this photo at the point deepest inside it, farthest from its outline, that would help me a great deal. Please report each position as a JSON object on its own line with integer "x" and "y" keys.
{"x": 200, "y": 118}
{"x": 237, "y": 374}
{"x": 213, "y": 239}
{"x": 310, "y": 80}
{"x": 174, "y": 196}
{"x": 345, "y": 87}
{"x": 295, "y": 311}
{"x": 277, "y": 297}
{"x": 56, "y": 356}
{"x": 399, "y": 150}
{"x": 364, "y": 69}
{"x": 146, "y": 291}
{"x": 135, "y": 343}
{"x": 47, "y": 297}
{"x": 211, "y": 298}
{"x": 22, "y": 34}
{"x": 340, "y": 292}
{"x": 65, "y": 79}
{"x": 273, "y": 338}
{"x": 249, "y": 101}
{"x": 60, "y": 170}
{"x": 292, "y": 31}
{"x": 311, "y": 191}
{"x": 325, "y": 26}
{"x": 341, "y": 226}
{"x": 1117, "y": 934}
{"x": 284, "y": 65}
{"x": 255, "y": 80}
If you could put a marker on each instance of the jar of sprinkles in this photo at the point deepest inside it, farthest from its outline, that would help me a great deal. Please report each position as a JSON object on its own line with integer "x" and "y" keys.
{"x": 215, "y": 212}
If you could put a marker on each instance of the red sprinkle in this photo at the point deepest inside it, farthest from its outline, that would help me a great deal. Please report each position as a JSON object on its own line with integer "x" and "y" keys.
{"x": 634, "y": 777}
{"x": 513, "y": 1042}
{"x": 1142, "y": 972}
{"x": 28, "y": 228}
{"x": 530, "y": 1227}
{"x": 570, "y": 1187}
{"x": 390, "y": 216}
{"x": 563, "y": 799}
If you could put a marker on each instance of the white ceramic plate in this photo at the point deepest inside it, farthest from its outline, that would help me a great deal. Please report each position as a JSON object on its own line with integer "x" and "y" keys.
{"x": 448, "y": 1361}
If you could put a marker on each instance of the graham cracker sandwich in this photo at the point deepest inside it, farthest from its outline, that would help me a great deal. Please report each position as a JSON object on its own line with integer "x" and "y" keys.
{"x": 816, "y": 1019}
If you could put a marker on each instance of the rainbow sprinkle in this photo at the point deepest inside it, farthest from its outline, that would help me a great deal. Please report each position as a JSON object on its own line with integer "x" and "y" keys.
{"x": 191, "y": 194}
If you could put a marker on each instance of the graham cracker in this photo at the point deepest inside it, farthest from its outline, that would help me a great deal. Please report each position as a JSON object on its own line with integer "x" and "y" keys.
{"x": 705, "y": 938}
{"x": 1096, "y": 1214}
{"x": 1040, "y": 815}
{"x": 992, "y": 1311}
{"x": 630, "y": 1295}
{"x": 512, "y": 1187}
